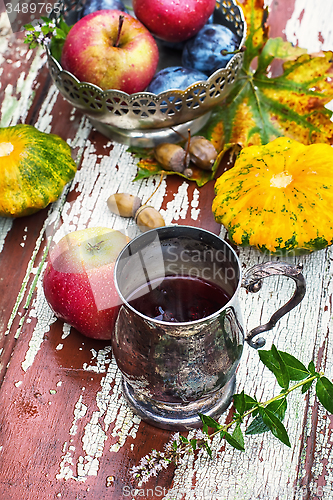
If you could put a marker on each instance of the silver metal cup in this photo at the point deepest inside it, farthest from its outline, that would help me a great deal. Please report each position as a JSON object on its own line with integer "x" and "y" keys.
{"x": 172, "y": 371}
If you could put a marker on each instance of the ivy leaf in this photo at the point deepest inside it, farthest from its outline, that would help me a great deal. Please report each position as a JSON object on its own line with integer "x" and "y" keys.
{"x": 296, "y": 369}
{"x": 60, "y": 34}
{"x": 45, "y": 29}
{"x": 275, "y": 425}
{"x": 243, "y": 402}
{"x": 312, "y": 368}
{"x": 235, "y": 439}
{"x": 312, "y": 371}
{"x": 58, "y": 40}
{"x": 257, "y": 426}
{"x": 209, "y": 422}
{"x": 56, "y": 46}
{"x": 239, "y": 402}
{"x": 238, "y": 436}
{"x": 32, "y": 45}
{"x": 324, "y": 391}
{"x": 208, "y": 449}
{"x": 261, "y": 108}
{"x": 307, "y": 386}
{"x": 64, "y": 26}
{"x": 193, "y": 443}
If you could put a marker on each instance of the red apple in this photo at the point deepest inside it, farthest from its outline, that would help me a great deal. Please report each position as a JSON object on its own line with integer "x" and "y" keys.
{"x": 94, "y": 53}
{"x": 174, "y": 20}
{"x": 78, "y": 281}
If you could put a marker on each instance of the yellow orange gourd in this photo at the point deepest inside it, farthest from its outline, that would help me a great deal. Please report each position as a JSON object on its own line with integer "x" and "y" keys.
{"x": 278, "y": 197}
{"x": 34, "y": 168}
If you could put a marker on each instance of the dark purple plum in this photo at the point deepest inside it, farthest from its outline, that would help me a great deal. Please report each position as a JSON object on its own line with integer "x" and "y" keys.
{"x": 174, "y": 77}
{"x": 203, "y": 51}
{"x": 93, "y": 5}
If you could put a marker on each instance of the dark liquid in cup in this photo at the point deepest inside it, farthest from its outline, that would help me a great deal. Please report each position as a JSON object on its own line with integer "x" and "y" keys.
{"x": 180, "y": 299}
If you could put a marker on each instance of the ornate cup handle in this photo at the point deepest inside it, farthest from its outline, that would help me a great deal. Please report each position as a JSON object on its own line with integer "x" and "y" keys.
{"x": 252, "y": 281}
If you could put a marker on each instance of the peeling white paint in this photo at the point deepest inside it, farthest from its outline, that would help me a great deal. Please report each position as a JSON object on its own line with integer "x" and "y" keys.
{"x": 5, "y": 226}
{"x": 45, "y": 318}
{"x": 5, "y": 28}
{"x": 24, "y": 287}
{"x": 126, "y": 425}
{"x": 320, "y": 36}
{"x": 80, "y": 410}
{"x": 79, "y": 141}
{"x": 195, "y": 210}
{"x": 111, "y": 409}
{"x": 15, "y": 109}
{"x": 44, "y": 120}
{"x": 66, "y": 331}
{"x": 178, "y": 207}
{"x": 101, "y": 361}
{"x": 66, "y": 466}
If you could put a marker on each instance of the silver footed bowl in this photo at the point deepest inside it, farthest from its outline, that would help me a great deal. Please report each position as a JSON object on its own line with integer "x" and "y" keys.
{"x": 146, "y": 119}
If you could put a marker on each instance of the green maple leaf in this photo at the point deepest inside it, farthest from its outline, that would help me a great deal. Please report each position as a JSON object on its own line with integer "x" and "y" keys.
{"x": 261, "y": 108}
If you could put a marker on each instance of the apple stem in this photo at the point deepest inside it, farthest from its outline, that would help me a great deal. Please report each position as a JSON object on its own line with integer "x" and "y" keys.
{"x": 120, "y": 25}
{"x": 96, "y": 247}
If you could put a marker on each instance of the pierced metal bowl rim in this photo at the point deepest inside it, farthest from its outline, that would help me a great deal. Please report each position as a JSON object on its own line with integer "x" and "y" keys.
{"x": 157, "y": 97}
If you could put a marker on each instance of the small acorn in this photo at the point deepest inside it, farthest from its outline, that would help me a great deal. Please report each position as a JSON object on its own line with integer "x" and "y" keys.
{"x": 172, "y": 157}
{"x": 124, "y": 204}
{"x": 202, "y": 152}
{"x": 148, "y": 217}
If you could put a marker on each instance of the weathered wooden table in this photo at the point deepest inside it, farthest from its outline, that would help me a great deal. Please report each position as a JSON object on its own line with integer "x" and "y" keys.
{"x": 64, "y": 425}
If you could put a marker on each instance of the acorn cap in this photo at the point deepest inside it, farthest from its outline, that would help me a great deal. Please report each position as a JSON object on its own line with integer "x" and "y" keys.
{"x": 148, "y": 217}
{"x": 171, "y": 157}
